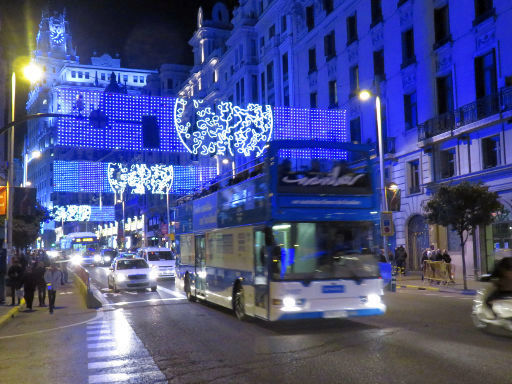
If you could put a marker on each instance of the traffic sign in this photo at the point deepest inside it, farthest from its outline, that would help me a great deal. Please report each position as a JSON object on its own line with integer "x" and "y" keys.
{"x": 386, "y": 224}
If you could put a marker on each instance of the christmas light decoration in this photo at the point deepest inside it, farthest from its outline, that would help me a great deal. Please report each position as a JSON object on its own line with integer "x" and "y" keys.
{"x": 83, "y": 213}
{"x": 156, "y": 179}
{"x": 93, "y": 177}
{"x": 240, "y": 131}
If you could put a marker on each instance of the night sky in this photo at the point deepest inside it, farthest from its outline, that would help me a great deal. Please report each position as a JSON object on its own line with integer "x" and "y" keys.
{"x": 145, "y": 33}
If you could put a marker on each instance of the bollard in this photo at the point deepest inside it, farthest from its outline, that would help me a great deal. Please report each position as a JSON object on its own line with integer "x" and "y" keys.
{"x": 393, "y": 284}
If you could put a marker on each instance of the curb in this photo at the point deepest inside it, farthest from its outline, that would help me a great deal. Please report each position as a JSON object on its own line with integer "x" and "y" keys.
{"x": 10, "y": 315}
{"x": 89, "y": 299}
{"x": 470, "y": 292}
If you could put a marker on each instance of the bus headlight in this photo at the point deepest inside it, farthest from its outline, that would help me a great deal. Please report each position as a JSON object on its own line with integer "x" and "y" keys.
{"x": 106, "y": 259}
{"x": 289, "y": 301}
{"x": 374, "y": 300}
{"x": 97, "y": 258}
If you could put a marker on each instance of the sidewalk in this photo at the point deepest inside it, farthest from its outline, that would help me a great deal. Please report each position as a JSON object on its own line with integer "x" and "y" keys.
{"x": 413, "y": 280}
{"x": 70, "y": 308}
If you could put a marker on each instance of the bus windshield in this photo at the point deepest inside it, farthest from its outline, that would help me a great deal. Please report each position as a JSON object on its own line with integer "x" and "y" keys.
{"x": 322, "y": 250}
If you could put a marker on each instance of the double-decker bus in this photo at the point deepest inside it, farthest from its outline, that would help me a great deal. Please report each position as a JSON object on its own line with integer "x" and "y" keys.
{"x": 292, "y": 236}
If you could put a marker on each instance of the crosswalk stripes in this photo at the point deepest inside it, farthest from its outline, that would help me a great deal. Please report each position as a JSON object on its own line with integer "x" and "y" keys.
{"x": 116, "y": 355}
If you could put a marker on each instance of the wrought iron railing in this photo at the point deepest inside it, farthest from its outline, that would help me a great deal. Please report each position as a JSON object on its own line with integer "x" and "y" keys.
{"x": 479, "y": 109}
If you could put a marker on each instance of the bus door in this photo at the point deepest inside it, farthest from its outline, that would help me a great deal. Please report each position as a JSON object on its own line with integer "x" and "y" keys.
{"x": 200, "y": 265}
{"x": 261, "y": 283}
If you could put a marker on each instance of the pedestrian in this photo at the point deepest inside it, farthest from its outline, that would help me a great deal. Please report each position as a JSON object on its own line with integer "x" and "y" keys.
{"x": 29, "y": 286}
{"x": 439, "y": 255}
{"x": 400, "y": 257}
{"x": 39, "y": 271}
{"x": 446, "y": 257}
{"x": 15, "y": 275}
{"x": 53, "y": 278}
{"x": 424, "y": 259}
{"x": 3, "y": 271}
{"x": 64, "y": 270}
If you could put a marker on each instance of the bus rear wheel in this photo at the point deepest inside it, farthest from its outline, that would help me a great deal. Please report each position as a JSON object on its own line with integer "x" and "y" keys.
{"x": 239, "y": 303}
{"x": 188, "y": 289}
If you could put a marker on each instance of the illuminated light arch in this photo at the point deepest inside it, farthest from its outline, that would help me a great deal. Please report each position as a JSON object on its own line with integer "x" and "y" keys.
{"x": 155, "y": 179}
{"x": 229, "y": 128}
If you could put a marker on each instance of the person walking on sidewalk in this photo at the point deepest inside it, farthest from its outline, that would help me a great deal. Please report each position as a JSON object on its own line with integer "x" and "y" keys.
{"x": 39, "y": 271}
{"x": 3, "y": 271}
{"x": 29, "y": 286}
{"x": 15, "y": 274}
{"x": 53, "y": 278}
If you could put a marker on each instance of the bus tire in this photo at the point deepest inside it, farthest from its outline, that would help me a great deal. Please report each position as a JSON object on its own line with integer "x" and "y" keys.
{"x": 239, "y": 302}
{"x": 188, "y": 289}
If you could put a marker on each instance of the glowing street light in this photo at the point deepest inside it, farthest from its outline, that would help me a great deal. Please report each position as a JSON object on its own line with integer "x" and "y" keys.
{"x": 33, "y": 73}
{"x": 27, "y": 158}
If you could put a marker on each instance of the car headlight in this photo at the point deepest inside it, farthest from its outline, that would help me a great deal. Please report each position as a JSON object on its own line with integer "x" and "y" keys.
{"x": 153, "y": 275}
{"x": 97, "y": 258}
{"x": 76, "y": 259}
{"x": 106, "y": 259}
{"x": 120, "y": 277}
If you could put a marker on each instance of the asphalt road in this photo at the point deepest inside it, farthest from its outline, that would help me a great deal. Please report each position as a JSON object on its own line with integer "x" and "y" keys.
{"x": 425, "y": 337}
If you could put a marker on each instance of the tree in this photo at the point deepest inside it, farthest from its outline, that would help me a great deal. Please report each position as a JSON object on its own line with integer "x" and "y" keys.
{"x": 25, "y": 229}
{"x": 464, "y": 206}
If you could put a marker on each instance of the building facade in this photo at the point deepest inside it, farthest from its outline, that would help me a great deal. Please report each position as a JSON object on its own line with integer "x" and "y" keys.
{"x": 440, "y": 67}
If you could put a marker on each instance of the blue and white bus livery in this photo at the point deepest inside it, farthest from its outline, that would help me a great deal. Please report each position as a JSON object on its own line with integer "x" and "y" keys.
{"x": 290, "y": 237}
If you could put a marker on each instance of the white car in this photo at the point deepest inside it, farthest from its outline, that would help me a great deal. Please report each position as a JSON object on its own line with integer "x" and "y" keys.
{"x": 162, "y": 259}
{"x": 131, "y": 274}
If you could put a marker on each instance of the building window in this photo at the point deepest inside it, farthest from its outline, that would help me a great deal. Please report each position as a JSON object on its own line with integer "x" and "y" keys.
{"x": 169, "y": 84}
{"x": 80, "y": 75}
{"x": 141, "y": 79}
{"x": 73, "y": 74}
{"x": 441, "y": 26}
{"x": 262, "y": 82}
{"x": 286, "y": 96}
{"x": 447, "y": 163}
{"x": 444, "y": 94}
{"x": 483, "y": 10}
{"x": 491, "y": 151}
{"x": 376, "y": 12}
{"x": 328, "y": 6}
{"x": 410, "y": 111}
{"x": 285, "y": 66}
{"x": 270, "y": 74}
{"x": 378, "y": 64}
{"x": 312, "y": 60}
{"x": 333, "y": 94}
{"x": 272, "y": 31}
{"x": 253, "y": 48}
{"x": 351, "y": 29}
{"x": 408, "y": 56}
{"x": 242, "y": 90}
{"x": 125, "y": 78}
{"x": 313, "y": 100}
{"x": 413, "y": 168}
{"x": 485, "y": 75}
{"x": 262, "y": 42}
{"x": 310, "y": 17}
{"x": 254, "y": 88}
{"x": 86, "y": 75}
{"x": 284, "y": 26}
{"x": 102, "y": 76}
{"x": 329, "y": 45}
{"x": 354, "y": 80}
{"x": 355, "y": 130}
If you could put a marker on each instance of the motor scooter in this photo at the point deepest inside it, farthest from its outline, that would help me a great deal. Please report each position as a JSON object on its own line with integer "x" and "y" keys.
{"x": 482, "y": 315}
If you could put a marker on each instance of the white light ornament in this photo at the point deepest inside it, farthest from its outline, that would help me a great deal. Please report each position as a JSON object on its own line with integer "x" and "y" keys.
{"x": 155, "y": 179}
{"x": 215, "y": 130}
{"x": 71, "y": 213}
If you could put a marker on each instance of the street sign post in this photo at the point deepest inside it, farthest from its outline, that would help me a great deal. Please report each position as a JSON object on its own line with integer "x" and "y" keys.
{"x": 386, "y": 224}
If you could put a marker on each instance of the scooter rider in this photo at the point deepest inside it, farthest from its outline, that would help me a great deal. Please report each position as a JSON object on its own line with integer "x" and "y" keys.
{"x": 502, "y": 277}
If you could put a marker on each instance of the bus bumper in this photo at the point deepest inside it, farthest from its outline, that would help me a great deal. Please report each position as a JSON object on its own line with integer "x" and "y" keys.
{"x": 334, "y": 314}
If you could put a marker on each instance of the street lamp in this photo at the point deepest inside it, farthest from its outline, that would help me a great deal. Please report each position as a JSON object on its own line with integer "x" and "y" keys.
{"x": 33, "y": 74}
{"x": 365, "y": 95}
{"x": 28, "y": 158}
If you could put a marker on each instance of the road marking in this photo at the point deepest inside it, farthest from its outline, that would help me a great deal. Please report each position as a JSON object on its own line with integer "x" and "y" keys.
{"x": 144, "y": 376}
{"x": 155, "y": 300}
{"x": 172, "y": 292}
{"x": 99, "y": 331}
{"x": 109, "y": 353}
{"x": 109, "y": 364}
{"x": 101, "y": 345}
{"x": 98, "y": 338}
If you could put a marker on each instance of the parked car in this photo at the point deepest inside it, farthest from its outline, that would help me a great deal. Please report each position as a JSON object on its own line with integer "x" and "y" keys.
{"x": 128, "y": 273}
{"x": 161, "y": 259}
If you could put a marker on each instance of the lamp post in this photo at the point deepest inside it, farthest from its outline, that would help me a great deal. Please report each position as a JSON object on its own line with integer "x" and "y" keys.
{"x": 34, "y": 155}
{"x": 364, "y": 96}
{"x": 33, "y": 74}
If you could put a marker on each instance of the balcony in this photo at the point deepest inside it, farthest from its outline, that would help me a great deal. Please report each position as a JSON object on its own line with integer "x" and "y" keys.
{"x": 470, "y": 113}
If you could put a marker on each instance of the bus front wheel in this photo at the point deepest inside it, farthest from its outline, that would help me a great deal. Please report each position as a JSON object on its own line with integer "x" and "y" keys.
{"x": 188, "y": 289}
{"x": 239, "y": 303}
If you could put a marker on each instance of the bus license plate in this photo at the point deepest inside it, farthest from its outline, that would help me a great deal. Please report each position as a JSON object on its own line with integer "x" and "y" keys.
{"x": 333, "y": 289}
{"x": 335, "y": 314}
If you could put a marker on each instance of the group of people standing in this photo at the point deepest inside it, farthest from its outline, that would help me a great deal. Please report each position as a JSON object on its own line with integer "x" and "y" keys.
{"x": 435, "y": 255}
{"x": 25, "y": 276}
